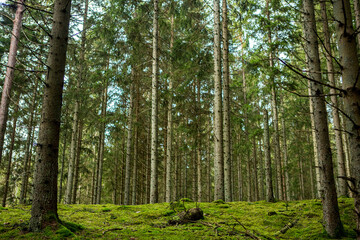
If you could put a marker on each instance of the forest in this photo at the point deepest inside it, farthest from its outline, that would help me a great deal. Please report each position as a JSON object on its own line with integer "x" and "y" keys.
{"x": 143, "y": 114}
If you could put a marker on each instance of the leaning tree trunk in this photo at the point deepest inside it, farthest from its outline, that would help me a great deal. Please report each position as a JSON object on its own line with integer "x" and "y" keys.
{"x": 268, "y": 171}
{"x": 154, "y": 108}
{"x": 44, "y": 207}
{"x": 9, "y": 76}
{"x": 342, "y": 188}
{"x": 226, "y": 107}
{"x": 331, "y": 215}
{"x": 351, "y": 87}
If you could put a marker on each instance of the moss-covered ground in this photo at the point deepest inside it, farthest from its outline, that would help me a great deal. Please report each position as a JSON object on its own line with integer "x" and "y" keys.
{"x": 235, "y": 220}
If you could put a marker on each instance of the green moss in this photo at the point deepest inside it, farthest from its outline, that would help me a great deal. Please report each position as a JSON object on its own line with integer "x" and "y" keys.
{"x": 186, "y": 200}
{"x": 106, "y": 210}
{"x": 220, "y": 201}
{"x": 64, "y": 232}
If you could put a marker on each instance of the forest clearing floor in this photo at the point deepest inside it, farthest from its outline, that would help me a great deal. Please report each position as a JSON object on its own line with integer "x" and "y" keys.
{"x": 234, "y": 220}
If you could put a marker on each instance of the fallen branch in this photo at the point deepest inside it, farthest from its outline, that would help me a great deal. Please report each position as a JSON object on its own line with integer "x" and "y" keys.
{"x": 287, "y": 227}
{"x": 247, "y": 232}
{"x": 112, "y": 229}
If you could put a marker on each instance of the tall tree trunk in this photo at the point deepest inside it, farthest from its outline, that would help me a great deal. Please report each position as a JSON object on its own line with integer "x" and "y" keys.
{"x": 44, "y": 207}
{"x": 27, "y": 156}
{"x": 6, "y": 92}
{"x": 351, "y": 88}
{"x": 226, "y": 106}
{"x": 218, "y": 133}
{"x": 342, "y": 188}
{"x": 154, "y": 109}
{"x": 129, "y": 143}
{"x": 11, "y": 148}
{"x": 268, "y": 171}
{"x": 136, "y": 144}
{"x": 261, "y": 172}
{"x": 331, "y": 215}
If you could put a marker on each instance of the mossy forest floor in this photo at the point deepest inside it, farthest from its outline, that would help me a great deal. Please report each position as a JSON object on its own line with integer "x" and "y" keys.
{"x": 235, "y": 220}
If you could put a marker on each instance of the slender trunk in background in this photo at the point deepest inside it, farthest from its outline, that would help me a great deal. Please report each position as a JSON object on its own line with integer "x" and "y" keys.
{"x": 101, "y": 143}
{"x": 62, "y": 167}
{"x": 169, "y": 122}
{"x": 198, "y": 144}
{"x": 331, "y": 214}
{"x": 240, "y": 175}
{"x": 351, "y": 95}
{"x": 11, "y": 148}
{"x": 261, "y": 172}
{"x": 94, "y": 174}
{"x": 218, "y": 133}
{"x": 74, "y": 135}
{"x": 44, "y": 206}
{"x": 274, "y": 106}
{"x": 77, "y": 162}
{"x": 255, "y": 171}
{"x": 27, "y": 156}
{"x": 136, "y": 150}
{"x": 154, "y": 108}
{"x": 116, "y": 175}
{"x": 129, "y": 142}
{"x": 287, "y": 179}
{"x": 268, "y": 171}
{"x": 342, "y": 188}
{"x": 6, "y": 92}
{"x": 226, "y": 106}
{"x": 209, "y": 170}
{"x": 301, "y": 177}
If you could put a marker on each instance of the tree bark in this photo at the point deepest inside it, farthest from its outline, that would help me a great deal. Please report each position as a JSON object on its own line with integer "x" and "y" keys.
{"x": 44, "y": 207}
{"x": 77, "y": 162}
{"x": 154, "y": 109}
{"x": 331, "y": 215}
{"x": 286, "y": 170}
{"x": 6, "y": 92}
{"x": 351, "y": 87}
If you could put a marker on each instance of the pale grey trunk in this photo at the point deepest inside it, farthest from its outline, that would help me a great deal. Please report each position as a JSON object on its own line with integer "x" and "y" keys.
{"x": 226, "y": 106}
{"x": 268, "y": 171}
{"x": 331, "y": 215}
{"x": 62, "y": 168}
{"x": 351, "y": 96}
{"x": 261, "y": 172}
{"x": 218, "y": 133}
{"x": 315, "y": 147}
{"x": 134, "y": 196}
{"x": 44, "y": 206}
{"x": 342, "y": 188}
{"x": 255, "y": 172}
{"x": 129, "y": 144}
{"x": 154, "y": 109}
{"x": 9, "y": 76}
